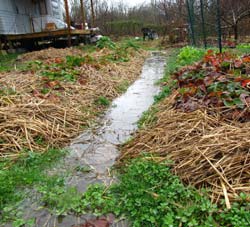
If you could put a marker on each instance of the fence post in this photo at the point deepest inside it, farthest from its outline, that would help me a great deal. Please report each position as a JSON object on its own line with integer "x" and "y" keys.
{"x": 219, "y": 25}
{"x": 203, "y": 24}
{"x": 191, "y": 20}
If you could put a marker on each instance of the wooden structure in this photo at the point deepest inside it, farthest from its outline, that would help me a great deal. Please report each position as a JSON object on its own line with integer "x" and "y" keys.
{"x": 31, "y": 39}
{"x": 51, "y": 34}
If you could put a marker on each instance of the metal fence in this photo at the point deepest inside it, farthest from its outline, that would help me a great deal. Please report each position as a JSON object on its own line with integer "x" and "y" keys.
{"x": 204, "y": 29}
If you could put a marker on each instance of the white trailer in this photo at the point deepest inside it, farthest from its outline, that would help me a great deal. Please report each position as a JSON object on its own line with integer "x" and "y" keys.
{"x": 29, "y": 16}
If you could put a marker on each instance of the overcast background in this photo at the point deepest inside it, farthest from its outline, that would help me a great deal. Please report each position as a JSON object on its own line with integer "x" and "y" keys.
{"x": 132, "y": 3}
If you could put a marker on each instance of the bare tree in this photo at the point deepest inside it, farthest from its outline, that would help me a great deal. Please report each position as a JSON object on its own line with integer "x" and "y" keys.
{"x": 233, "y": 12}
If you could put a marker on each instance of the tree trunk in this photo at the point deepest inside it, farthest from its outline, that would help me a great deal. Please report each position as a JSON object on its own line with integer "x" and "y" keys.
{"x": 236, "y": 35}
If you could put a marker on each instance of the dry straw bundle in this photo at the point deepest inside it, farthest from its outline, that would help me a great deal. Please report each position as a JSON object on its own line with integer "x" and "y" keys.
{"x": 35, "y": 126}
{"x": 207, "y": 151}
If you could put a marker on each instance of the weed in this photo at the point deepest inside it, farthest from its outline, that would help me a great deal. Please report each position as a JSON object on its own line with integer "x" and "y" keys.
{"x": 123, "y": 86}
{"x": 105, "y": 42}
{"x": 45, "y": 91}
{"x": 188, "y": 55}
{"x": 166, "y": 91}
{"x": 32, "y": 65}
{"x": 148, "y": 194}
{"x": 61, "y": 198}
{"x": 7, "y": 62}
{"x": 237, "y": 216}
{"x": 19, "y": 222}
{"x": 26, "y": 171}
{"x": 131, "y": 44}
{"x": 243, "y": 48}
{"x": 5, "y": 91}
{"x": 60, "y": 74}
{"x": 83, "y": 169}
{"x": 103, "y": 101}
{"x": 40, "y": 140}
{"x": 73, "y": 61}
{"x": 148, "y": 118}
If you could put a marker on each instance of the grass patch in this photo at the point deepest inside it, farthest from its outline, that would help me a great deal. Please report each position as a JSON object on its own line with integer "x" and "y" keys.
{"x": 7, "y": 62}
{"x": 123, "y": 86}
{"x": 148, "y": 118}
{"x": 102, "y": 101}
{"x": 27, "y": 171}
{"x": 152, "y": 45}
{"x": 243, "y": 48}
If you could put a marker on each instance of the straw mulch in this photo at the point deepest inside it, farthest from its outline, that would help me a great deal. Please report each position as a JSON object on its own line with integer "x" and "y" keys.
{"x": 32, "y": 120}
{"x": 206, "y": 151}
{"x": 50, "y": 53}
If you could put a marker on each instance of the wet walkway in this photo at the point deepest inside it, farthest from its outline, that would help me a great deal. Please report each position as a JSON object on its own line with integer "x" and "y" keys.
{"x": 96, "y": 150}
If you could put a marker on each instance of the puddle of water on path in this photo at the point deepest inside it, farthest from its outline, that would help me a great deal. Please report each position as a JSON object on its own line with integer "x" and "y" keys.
{"x": 97, "y": 148}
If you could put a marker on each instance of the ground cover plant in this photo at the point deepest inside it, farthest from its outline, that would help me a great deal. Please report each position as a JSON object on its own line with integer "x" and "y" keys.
{"x": 28, "y": 170}
{"x": 243, "y": 48}
{"x": 6, "y": 62}
{"x": 148, "y": 194}
{"x": 219, "y": 80}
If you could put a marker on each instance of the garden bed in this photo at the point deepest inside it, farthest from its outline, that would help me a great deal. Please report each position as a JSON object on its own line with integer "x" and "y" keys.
{"x": 59, "y": 93}
{"x": 203, "y": 127}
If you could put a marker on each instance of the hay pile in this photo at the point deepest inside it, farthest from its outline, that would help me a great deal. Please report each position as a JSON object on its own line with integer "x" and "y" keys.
{"x": 50, "y": 53}
{"x": 207, "y": 151}
{"x": 33, "y": 120}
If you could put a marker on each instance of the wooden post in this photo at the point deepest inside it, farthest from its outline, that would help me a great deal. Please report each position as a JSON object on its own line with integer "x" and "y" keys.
{"x": 68, "y": 21}
{"x": 83, "y": 14}
{"x": 93, "y": 14}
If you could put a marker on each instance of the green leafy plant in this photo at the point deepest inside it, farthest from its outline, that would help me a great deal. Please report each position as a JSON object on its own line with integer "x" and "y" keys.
{"x": 5, "y": 91}
{"x": 105, "y": 42}
{"x": 7, "y": 62}
{"x": 238, "y": 215}
{"x": 148, "y": 194}
{"x": 189, "y": 54}
{"x": 243, "y": 48}
{"x": 60, "y": 74}
{"x": 148, "y": 118}
{"x": 26, "y": 171}
{"x": 73, "y": 61}
{"x": 61, "y": 198}
{"x": 131, "y": 44}
{"x": 123, "y": 86}
{"x": 103, "y": 101}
